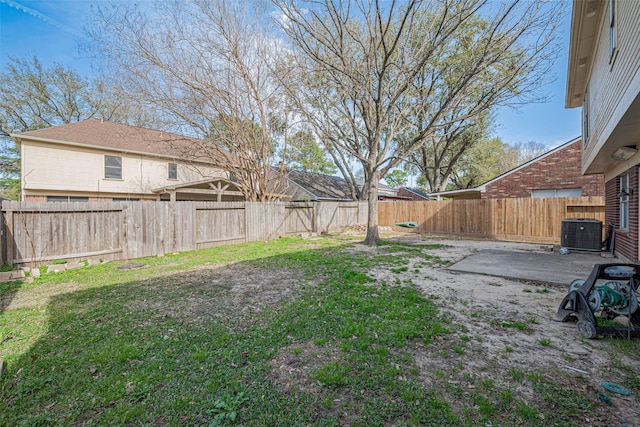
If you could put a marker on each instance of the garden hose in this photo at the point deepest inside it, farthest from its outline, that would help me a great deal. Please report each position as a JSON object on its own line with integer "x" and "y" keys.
{"x": 610, "y": 297}
{"x": 619, "y": 297}
{"x": 616, "y": 388}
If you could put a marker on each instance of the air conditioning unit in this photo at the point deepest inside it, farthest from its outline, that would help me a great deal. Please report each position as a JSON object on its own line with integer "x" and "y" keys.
{"x": 581, "y": 233}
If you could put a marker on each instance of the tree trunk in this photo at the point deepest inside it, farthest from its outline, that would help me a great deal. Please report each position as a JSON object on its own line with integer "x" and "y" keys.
{"x": 373, "y": 236}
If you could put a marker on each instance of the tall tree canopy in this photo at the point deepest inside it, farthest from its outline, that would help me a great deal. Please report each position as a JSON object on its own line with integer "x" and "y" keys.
{"x": 383, "y": 77}
{"x": 439, "y": 159}
{"x": 214, "y": 70}
{"x": 305, "y": 154}
{"x": 397, "y": 178}
{"x": 482, "y": 162}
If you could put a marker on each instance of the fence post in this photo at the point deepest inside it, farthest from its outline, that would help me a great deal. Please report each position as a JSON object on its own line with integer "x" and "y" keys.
{"x": 8, "y": 238}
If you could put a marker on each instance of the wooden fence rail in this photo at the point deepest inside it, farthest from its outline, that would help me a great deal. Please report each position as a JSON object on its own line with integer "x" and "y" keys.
{"x": 36, "y": 233}
{"x": 528, "y": 220}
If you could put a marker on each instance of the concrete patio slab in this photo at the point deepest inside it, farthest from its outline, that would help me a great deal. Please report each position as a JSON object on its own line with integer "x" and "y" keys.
{"x": 550, "y": 267}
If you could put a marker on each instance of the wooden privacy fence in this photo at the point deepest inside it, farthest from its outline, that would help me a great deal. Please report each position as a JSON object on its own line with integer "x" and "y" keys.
{"x": 530, "y": 220}
{"x": 35, "y": 233}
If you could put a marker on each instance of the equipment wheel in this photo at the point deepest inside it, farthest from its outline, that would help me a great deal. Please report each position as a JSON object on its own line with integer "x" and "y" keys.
{"x": 586, "y": 329}
{"x": 576, "y": 284}
{"x": 593, "y": 297}
{"x": 594, "y": 300}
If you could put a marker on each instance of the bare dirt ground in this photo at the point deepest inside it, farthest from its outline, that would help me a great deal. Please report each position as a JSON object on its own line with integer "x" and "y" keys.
{"x": 486, "y": 308}
{"x": 501, "y": 326}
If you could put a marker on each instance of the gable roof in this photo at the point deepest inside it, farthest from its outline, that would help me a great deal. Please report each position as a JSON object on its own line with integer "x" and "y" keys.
{"x": 103, "y": 134}
{"x": 383, "y": 189}
{"x": 418, "y": 193}
{"x": 476, "y": 191}
{"x": 319, "y": 186}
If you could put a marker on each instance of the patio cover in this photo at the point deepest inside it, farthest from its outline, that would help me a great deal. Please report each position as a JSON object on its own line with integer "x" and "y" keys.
{"x": 213, "y": 189}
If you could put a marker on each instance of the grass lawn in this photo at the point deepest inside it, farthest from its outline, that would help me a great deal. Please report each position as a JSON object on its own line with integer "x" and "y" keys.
{"x": 287, "y": 332}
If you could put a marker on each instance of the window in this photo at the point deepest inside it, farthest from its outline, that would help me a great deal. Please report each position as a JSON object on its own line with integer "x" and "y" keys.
{"x": 560, "y": 192}
{"x": 173, "y": 171}
{"x": 612, "y": 30}
{"x": 125, "y": 199}
{"x": 67, "y": 199}
{"x": 113, "y": 167}
{"x": 624, "y": 202}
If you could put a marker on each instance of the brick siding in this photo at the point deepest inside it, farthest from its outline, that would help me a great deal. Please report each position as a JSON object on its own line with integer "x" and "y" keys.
{"x": 403, "y": 192}
{"x": 30, "y": 198}
{"x": 626, "y": 242}
{"x": 560, "y": 170}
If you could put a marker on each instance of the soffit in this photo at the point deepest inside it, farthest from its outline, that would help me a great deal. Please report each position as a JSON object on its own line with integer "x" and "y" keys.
{"x": 585, "y": 19}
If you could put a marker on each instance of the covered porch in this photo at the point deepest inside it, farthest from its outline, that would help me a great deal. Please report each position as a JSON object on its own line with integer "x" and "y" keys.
{"x": 216, "y": 189}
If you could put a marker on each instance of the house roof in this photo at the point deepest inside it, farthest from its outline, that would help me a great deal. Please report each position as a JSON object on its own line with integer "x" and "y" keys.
{"x": 476, "y": 191}
{"x": 103, "y": 134}
{"x": 465, "y": 193}
{"x": 418, "y": 193}
{"x": 383, "y": 189}
{"x": 319, "y": 186}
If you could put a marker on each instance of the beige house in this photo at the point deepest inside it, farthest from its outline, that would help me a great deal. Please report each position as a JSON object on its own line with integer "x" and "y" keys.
{"x": 96, "y": 160}
{"x": 604, "y": 79}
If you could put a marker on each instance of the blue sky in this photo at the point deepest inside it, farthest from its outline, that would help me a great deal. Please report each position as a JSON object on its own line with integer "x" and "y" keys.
{"x": 51, "y": 29}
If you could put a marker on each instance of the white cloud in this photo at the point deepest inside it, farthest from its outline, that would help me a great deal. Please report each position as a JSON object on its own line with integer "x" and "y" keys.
{"x": 42, "y": 17}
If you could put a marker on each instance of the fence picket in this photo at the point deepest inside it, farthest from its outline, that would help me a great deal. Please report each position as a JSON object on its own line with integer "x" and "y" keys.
{"x": 35, "y": 233}
{"x": 525, "y": 219}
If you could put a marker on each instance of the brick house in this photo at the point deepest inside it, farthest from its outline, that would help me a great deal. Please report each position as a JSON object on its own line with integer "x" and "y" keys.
{"x": 604, "y": 79}
{"x": 413, "y": 194}
{"x": 555, "y": 173}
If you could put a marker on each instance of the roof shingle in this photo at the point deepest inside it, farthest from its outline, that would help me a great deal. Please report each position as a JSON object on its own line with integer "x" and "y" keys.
{"x": 115, "y": 136}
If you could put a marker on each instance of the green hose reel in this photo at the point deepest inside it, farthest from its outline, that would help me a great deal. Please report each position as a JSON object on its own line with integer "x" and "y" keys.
{"x": 617, "y": 296}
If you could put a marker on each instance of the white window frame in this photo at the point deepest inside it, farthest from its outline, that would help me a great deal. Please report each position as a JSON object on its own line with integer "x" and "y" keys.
{"x": 552, "y": 193}
{"x": 173, "y": 166}
{"x": 112, "y": 167}
{"x": 79, "y": 199}
{"x": 624, "y": 202}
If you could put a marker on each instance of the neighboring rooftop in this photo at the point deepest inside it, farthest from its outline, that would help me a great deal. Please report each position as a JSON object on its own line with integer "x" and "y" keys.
{"x": 115, "y": 136}
{"x": 320, "y": 187}
{"x": 418, "y": 193}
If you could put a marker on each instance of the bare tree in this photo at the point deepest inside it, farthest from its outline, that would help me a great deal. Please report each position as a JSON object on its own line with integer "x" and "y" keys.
{"x": 438, "y": 159}
{"x": 482, "y": 162}
{"x": 528, "y": 150}
{"x": 214, "y": 70}
{"x": 381, "y": 78}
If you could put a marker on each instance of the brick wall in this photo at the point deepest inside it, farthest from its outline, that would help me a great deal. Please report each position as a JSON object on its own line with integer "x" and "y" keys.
{"x": 626, "y": 241}
{"x": 403, "y": 192}
{"x": 100, "y": 199}
{"x": 560, "y": 170}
